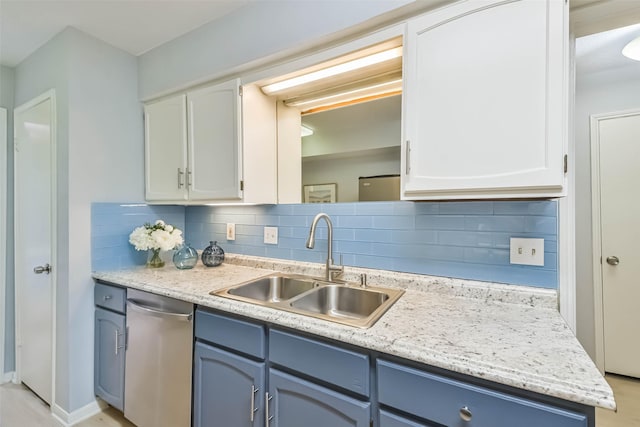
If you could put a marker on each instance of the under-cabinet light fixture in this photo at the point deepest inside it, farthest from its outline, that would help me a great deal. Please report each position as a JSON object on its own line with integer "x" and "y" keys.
{"x": 632, "y": 49}
{"x": 390, "y": 87}
{"x": 356, "y": 64}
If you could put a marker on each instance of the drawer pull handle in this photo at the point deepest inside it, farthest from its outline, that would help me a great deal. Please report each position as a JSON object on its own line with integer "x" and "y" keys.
{"x": 254, "y": 390}
{"x": 107, "y": 297}
{"x": 465, "y": 414}
{"x": 267, "y": 417}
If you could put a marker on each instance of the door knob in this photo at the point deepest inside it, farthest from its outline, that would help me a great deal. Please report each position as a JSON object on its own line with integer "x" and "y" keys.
{"x": 42, "y": 269}
{"x": 613, "y": 260}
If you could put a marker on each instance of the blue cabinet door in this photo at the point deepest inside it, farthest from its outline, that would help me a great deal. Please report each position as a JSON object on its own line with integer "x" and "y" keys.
{"x": 225, "y": 386}
{"x": 295, "y": 403}
{"x": 109, "y": 357}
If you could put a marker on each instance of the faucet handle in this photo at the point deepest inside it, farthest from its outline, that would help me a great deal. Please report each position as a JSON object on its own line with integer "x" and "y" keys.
{"x": 363, "y": 280}
{"x": 336, "y": 270}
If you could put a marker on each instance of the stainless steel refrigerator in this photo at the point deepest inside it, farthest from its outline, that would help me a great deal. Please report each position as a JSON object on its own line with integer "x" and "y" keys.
{"x": 379, "y": 188}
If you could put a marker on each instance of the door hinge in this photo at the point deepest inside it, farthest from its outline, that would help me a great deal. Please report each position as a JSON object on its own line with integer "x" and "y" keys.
{"x": 241, "y": 90}
{"x": 241, "y": 185}
{"x": 566, "y": 163}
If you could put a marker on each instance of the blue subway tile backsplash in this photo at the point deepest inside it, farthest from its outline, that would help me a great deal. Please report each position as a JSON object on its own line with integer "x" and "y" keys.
{"x": 468, "y": 240}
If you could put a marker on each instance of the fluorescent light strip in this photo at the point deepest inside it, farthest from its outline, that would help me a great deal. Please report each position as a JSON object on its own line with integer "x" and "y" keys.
{"x": 379, "y": 89}
{"x": 366, "y": 61}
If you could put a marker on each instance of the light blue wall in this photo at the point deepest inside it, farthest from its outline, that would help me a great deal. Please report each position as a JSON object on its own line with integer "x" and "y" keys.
{"x": 467, "y": 240}
{"x": 256, "y": 31}
{"x": 7, "y": 76}
{"x": 99, "y": 158}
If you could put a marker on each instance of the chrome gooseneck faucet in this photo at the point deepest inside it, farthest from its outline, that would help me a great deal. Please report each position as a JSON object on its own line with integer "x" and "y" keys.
{"x": 331, "y": 270}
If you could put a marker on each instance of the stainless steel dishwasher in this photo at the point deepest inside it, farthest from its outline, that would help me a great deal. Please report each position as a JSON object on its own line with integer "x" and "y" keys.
{"x": 158, "y": 361}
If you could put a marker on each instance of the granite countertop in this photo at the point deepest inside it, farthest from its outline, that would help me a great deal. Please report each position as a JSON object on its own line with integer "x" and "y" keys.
{"x": 511, "y": 335}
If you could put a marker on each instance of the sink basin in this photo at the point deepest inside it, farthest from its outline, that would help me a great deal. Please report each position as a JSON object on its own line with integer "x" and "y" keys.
{"x": 343, "y": 303}
{"x": 273, "y": 288}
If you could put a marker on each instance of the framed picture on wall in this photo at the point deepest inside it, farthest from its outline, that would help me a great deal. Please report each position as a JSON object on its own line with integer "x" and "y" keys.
{"x": 320, "y": 193}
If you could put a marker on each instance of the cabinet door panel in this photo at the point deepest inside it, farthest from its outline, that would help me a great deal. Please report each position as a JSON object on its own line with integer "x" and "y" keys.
{"x": 222, "y": 389}
{"x": 109, "y": 357}
{"x": 484, "y": 100}
{"x": 165, "y": 141}
{"x": 297, "y": 402}
{"x": 214, "y": 142}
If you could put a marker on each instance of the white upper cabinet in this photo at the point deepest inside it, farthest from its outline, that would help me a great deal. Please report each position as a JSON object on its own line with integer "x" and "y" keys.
{"x": 165, "y": 150}
{"x": 485, "y": 101}
{"x": 215, "y": 149}
{"x": 195, "y": 151}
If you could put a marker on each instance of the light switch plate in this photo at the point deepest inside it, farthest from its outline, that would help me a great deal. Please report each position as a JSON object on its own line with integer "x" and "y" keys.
{"x": 527, "y": 251}
{"x": 271, "y": 235}
{"x": 231, "y": 231}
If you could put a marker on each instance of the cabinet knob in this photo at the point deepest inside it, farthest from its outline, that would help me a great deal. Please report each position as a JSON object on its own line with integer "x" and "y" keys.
{"x": 465, "y": 414}
{"x": 613, "y": 260}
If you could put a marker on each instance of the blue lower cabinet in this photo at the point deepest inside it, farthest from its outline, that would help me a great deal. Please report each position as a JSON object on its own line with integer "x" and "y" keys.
{"x": 294, "y": 402}
{"x": 228, "y": 390}
{"x": 109, "y": 357}
{"x": 445, "y": 401}
{"x": 388, "y": 419}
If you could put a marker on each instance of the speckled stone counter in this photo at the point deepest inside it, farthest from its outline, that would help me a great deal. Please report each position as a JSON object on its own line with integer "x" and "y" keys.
{"x": 511, "y": 335}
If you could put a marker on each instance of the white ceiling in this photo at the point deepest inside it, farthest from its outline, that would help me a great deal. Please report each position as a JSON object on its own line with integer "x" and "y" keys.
{"x": 135, "y": 26}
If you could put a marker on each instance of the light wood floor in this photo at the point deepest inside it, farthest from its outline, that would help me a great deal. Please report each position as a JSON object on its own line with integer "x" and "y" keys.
{"x": 19, "y": 407}
{"x": 627, "y": 393}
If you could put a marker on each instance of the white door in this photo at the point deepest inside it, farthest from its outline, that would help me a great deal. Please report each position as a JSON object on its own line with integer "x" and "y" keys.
{"x": 619, "y": 139}
{"x": 34, "y": 148}
{"x": 3, "y": 229}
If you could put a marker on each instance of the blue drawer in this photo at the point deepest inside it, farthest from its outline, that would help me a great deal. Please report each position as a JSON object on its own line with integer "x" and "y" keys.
{"x": 239, "y": 335}
{"x": 110, "y": 297}
{"x": 388, "y": 419}
{"x": 334, "y": 365}
{"x": 439, "y": 399}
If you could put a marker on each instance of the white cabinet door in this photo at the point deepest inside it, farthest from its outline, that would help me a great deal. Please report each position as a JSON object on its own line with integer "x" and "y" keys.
{"x": 215, "y": 149}
{"x": 485, "y": 101}
{"x": 165, "y": 145}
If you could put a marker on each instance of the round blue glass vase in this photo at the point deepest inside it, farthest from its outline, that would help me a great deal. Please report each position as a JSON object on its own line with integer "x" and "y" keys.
{"x": 185, "y": 257}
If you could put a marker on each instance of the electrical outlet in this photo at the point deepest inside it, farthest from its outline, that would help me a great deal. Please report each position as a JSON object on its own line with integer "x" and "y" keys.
{"x": 231, "y": 231}
{"x": 527, "y": 251}
{"x": 271, "y": 235}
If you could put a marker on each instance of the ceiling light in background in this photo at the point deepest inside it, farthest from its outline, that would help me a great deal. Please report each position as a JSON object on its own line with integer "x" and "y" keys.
{"x": 632, "y": 49}
{"x": 305, "y": 131}
{"x": 356, "y": 64}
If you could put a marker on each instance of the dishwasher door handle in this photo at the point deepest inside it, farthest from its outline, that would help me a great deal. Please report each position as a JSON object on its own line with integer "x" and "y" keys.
{"x": 159, "y": 313}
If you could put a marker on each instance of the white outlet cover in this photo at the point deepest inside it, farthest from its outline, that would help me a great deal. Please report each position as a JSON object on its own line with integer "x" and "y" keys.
{"x": 271, "y": 235}
{"x": 231, "y": 231}
{"x": 526, "y": 251}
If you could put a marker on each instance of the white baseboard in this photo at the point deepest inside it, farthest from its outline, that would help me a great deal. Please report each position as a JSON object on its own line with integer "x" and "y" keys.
{"x": 66, "y": 419}
{"x": 8, "y": 377}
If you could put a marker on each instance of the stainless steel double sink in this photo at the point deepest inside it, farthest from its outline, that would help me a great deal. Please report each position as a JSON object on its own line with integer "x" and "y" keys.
{"x": 340, "y": 302}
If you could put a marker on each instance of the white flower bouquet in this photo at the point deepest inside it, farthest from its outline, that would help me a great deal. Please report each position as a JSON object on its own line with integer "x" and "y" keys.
{"x": 156, "y": 237}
